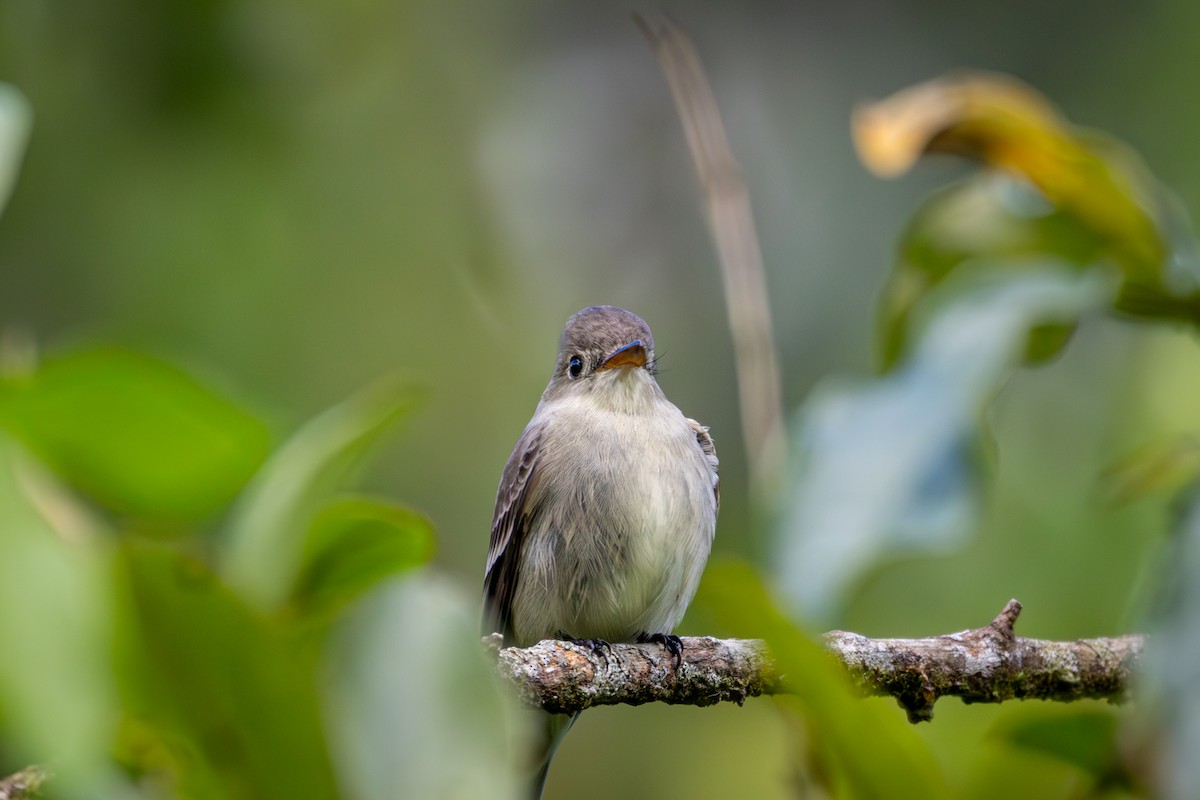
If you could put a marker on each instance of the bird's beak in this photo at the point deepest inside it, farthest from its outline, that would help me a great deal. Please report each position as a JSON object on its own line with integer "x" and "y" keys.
{"x": 631, "y": 355}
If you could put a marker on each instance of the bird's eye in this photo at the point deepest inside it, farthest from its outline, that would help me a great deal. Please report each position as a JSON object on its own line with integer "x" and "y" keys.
{"x": 575, "y": 366}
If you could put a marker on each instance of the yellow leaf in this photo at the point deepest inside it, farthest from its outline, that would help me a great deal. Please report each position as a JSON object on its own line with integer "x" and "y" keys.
{"x": 1007, "y": 125}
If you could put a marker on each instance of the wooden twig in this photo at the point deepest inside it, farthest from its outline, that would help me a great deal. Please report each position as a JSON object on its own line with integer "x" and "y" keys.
{"x": 983, "y": 665}
{"x": 988, "y": 665}
{"x": 23, "y": 784}
{"x": 565, "y": 677}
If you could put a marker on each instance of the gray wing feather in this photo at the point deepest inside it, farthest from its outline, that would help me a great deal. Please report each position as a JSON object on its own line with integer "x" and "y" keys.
{"x": 710, "y": 454}
{"x": 510, "y": 523}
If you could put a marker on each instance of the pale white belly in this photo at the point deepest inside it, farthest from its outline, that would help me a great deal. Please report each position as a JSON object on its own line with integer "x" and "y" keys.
{"x": 623, "y": 530}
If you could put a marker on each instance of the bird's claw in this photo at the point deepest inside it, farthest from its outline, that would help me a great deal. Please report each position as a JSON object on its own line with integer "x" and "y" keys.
{"x": 597, "y": 646}
{"x": 670, "y": 642}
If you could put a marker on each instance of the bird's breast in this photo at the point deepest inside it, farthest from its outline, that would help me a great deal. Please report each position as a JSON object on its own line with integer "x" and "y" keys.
{"x": 625, "y": 523}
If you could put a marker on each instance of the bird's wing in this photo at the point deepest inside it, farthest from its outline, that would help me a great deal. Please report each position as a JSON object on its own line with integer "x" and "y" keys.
{"x": 510, "y": 523}
{"x": 710, "y": 455}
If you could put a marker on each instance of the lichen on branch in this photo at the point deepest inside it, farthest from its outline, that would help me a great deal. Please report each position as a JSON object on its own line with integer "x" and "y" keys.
{"x": 990, "y": 664}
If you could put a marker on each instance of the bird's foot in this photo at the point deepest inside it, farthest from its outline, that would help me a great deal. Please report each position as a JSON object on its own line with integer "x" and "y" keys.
{"x": 597, "y": 646}
{"x": 670, "y": 642}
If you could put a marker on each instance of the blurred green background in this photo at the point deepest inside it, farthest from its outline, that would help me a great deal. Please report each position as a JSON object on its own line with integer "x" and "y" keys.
{"x": 291, "y": 199}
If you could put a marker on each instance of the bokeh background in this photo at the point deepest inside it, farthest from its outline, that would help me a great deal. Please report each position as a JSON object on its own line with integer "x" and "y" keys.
{"x": 293, "y": 198}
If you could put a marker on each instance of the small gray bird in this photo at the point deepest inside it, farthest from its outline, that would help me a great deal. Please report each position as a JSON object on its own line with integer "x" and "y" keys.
{"x": 607, "y": 506}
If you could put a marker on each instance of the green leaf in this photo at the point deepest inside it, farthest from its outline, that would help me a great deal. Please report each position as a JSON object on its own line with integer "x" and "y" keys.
{"x": 16, "y": 118}
{"x": 134, "y": 433}
{"x": 416, "y": 709}
{"x": 1050, "y": 189}
{"x": 884, "y": 465}
{"x": 56, "y": 686}
{"x": 1172, "y": 665}
{"x": 353, "y": 544}
{"x": 1083, "y": 737}
{"x": 866, "y": 749}
{"x": 1009, "y": 126}
{"x": 225, "y": 693}
{"x": 987, "y": 219}
{"x": 1162, "y": 467}
{"x": 265, "y": 538}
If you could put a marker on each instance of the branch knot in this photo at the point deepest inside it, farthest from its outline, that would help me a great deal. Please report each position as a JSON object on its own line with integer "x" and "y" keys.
{"x": 1002, "y": 626}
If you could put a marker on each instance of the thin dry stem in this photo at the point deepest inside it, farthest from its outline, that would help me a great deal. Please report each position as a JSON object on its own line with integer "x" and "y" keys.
{"x": 732, "y": 225}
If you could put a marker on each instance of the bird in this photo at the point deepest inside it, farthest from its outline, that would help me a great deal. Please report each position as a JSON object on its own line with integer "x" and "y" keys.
{"x": 607, "y": 506}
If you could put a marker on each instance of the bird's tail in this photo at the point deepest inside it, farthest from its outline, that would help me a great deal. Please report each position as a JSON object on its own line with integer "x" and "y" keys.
{"x": 554, "y": 730}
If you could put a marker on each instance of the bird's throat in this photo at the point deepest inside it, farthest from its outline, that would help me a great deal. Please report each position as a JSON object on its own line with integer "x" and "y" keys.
{"x": 626, "y": 390}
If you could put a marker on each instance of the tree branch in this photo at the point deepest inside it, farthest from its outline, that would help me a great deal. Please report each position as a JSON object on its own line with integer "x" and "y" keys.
{"x": 983, "y": 665}
{"x": 988, "y": 665}
{"x": 23, "y": 784}
{"x": 565, "y": 677}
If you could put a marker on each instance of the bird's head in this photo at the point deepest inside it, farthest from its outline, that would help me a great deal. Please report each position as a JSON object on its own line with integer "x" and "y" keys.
{"x": 605, "y": 352}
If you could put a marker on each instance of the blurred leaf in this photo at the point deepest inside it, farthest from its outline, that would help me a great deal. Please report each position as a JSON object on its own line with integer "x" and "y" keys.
{"x": 220, "y": 689}
{"x": 352, "y": 545}
{"x": 868, "y": 748}
{"x": 416, "y": 708}
{"x": 1162, "y": 467}
{"x": 970, "y": 226}
{"x": 16, "y": 118}
{"x": 265, "y": 538}
{"x": 1044, "y": 342}
{"x": 884, "y": 465}
{"x": 138, "y": 435}
{"x": 1094, "y": 200}
{"x": 1006, "y": 124}
{"x": 1172, "y": 667}
{"x": 1083, "y": 737}
{"x": 56, "y": 689}
{"x": 998, "y": 771}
